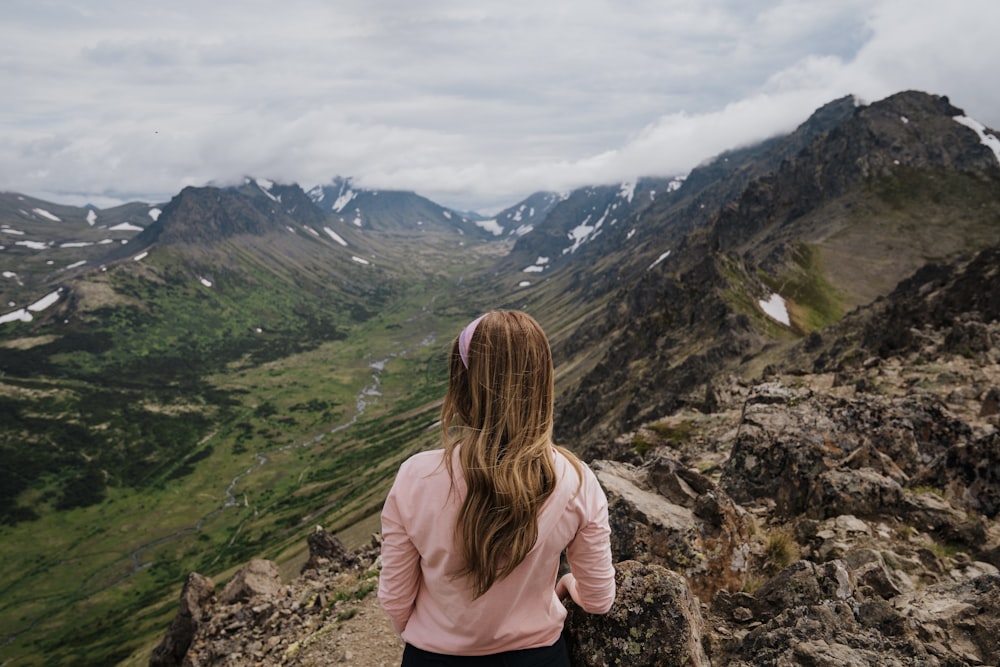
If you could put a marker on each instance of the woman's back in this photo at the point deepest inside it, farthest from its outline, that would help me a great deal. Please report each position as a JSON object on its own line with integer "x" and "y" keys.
{"x": 472, "y": 533}
{"x": 519, "y": 611}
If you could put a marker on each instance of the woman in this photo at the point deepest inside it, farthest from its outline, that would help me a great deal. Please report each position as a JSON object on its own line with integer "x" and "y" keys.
{"x": 473, "y": 533}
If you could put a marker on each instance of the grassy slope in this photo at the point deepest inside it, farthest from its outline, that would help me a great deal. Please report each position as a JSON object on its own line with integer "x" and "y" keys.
{"x": 97, "y": 584}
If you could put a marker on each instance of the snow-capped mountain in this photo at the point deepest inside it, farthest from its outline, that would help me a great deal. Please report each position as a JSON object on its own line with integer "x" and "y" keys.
{"x": 397, "y": 211}
{"x": 601, "y": 216}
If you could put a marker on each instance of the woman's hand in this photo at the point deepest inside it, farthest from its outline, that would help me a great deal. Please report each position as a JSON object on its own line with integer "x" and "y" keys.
{"x": 565, "y": 586}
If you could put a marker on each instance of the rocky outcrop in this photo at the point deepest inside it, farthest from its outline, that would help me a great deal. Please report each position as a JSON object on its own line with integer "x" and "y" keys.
{"x": 196, "y": 597}
{"x": 655, "y": 620}
{"x": 662, "y": 513}
{"x": 871, "y": 456}
{"x": 258, "y": 619}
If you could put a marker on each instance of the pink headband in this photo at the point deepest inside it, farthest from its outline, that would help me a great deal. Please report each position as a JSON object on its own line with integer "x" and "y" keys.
{"x": 465, "y": 338}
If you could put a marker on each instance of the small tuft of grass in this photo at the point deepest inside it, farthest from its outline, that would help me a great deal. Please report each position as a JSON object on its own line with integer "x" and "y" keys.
{"x": 347, "y": 614}
{"x": 640, "y": 443}
{"x": 674, "y": 434}
{"x": 928, "y": 489}
{"x": 780, "y": 550}
{"x": 752, "y": 583}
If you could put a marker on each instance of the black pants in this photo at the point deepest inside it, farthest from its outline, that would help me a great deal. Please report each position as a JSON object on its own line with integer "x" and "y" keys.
{"x": 547, "y": 656}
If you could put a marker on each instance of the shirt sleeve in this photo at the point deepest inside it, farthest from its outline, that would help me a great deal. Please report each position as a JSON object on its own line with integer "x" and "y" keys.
{"x": 589, "y": 554}
{"x": 400, "y": 578}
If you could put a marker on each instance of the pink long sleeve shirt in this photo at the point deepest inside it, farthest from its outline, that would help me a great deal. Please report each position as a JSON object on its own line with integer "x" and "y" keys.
{"x": 434, "y": 611}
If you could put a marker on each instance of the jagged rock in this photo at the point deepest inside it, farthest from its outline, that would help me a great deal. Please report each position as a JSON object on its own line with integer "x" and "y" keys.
{"x": 932, "y": 513}
{"x": 970, "y": 472}
{"x": 675, "y": 482}
{"x": 861, "y": 492}
{"x": 708, "y": 542}
{"x": 970, "y": 338}
{"x": 655, "y": 620}
{"x": 991, "y": 403}
{"x": 960, "y": 618}
{"x": 867, "y": 456}
{"x": 257, "y": 578}
{"x": 818, "y": 615}
{"x": 325, "y": 550}
{"x": 823, "y": 456}
{"x": 195, "y": 598}
{"x": 802, "y": 583}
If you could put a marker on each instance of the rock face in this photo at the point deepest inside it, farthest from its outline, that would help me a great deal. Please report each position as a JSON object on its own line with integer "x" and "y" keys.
{"x": 655, "y": 620}
{"x": 258, "y": 619}
{"x": 657, "y": 516}
{"x": 196, "y": 595}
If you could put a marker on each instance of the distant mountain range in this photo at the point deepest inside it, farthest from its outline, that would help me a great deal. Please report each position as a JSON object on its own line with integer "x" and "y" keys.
{"x": 149, "y": 351}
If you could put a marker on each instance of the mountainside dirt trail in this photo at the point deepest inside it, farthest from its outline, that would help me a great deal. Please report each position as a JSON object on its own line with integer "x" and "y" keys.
{"x": 366, "y": 640}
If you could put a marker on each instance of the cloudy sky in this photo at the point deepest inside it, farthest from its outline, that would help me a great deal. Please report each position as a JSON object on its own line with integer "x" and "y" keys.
{"x": 473, "y": 103}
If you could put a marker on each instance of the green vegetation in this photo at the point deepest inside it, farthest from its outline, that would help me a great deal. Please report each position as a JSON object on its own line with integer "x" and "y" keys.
{"x": 662, "y": 434}
{"x": 176, "y": 429}
{"x": 780, "y": 550}
{"x": 813, "y": 303}
{"x": 674, "y": 433}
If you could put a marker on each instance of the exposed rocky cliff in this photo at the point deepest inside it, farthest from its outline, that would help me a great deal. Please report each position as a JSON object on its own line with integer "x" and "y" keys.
{"x": 838, "y": 510}
{"x": 828, "y": 218}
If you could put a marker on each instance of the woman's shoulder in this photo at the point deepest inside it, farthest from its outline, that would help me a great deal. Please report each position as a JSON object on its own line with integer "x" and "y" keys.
{"x": 423, "y": 463}
{"x": 574, "y": 472}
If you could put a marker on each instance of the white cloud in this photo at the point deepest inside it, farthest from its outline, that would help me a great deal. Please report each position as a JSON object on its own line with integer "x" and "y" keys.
{"x": 471, "y": 104}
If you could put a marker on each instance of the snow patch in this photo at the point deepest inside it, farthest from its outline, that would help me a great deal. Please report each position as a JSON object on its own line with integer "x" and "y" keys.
{"x": 627, "y": 191}
{"x": 44, "y": 302}
{"x": 343, "y": 200}
{"x": 105, "y": 241}
{"x": 45, "y": 214}
{"x": 534, "y": 268}
{"x": 141, "y": 256}
{"x": 522, "y": 230}
{"x": 359, "y": 260}
{"x": 125, "y": 227}
{"x": 985, "y": 139}
{"x": 675, "y": 184}
{"x": 446, "y": 214}
{"x": 8, "y": 230}
{"x": 34, "y": 245}
{"x": 524, "y": 283}
{"x": 75, "y": 244}
{"x": 265, "y": 187}
{"x": 76, "y": 265}
{"x": 579, "y": 235}
{"x": 775, "y": 308}
{"x": 904, "y": 119}
{"x": 205, "y": 281}
{"x": 659, "y": 259}
{"x": 154, "y": 213}
{"x": 91, "y": 217}
{"x": 20, "y": 314}
{"x": 335, "y": 236}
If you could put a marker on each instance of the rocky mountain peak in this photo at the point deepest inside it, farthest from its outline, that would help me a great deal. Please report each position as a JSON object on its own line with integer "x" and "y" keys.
{"x": 207, "y": 214}
{"x": 390, "y": 211}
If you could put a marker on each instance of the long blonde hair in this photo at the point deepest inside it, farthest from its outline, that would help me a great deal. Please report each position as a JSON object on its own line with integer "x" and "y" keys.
{"x": 499, "y": 410}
